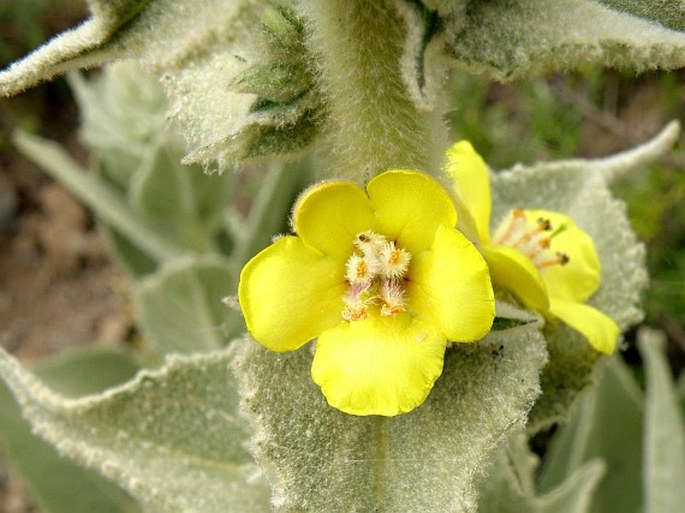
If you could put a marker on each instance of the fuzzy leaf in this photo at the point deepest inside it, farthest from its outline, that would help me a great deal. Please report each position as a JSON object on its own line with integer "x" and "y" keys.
{"x": 664, "y": 444}
{"x": 56, "y": 483}
{"x": 197, "y": 50}
{"x": 640, "y": 437}
{"x": 510, "y": 486}
{"x": 580, "y": 188}
{"x": 510, "y": 39}
{"x": 171, "y": 437}
{"x": 182, "y": 202}
{"x": 605, "y": 424}
{"x": 180, "y": 308}
{"x": 122, "y": 118}
{"x": 320, "y": 459}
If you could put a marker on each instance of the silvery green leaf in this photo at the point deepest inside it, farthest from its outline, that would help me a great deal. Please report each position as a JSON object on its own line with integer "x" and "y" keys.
{"x": 640, "y": 436}
{"x": 196, "y": 48}
{"x": 172, "y": 437}
{"x": 510, "y": 485}
{"x": 422, "y": 67}
{"x": 506, "y": 40}
{"x": 123, "y": 118}
{"x": 57, "y": 484}
{"x": 664, "y": 430}
{"x": 276, "y": 82}
{"x": 668, "y": 13}
{"x": 180, "y": 306}
{"x": 580, "y": 188}
{"x": 606, "y": 424}
{"x": 320, "y": 459}
{"x": 183, "y": 203}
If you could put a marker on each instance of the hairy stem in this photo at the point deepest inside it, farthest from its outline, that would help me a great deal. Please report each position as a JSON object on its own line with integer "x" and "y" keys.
{"x": 373, "y": 125}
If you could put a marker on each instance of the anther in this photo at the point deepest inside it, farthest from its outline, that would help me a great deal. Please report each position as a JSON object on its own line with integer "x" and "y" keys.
{"x": 394, "y": 261}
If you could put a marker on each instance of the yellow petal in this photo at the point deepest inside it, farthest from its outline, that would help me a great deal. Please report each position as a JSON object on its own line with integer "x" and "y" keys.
{"x": 580, "y": 278}
{"x": 409, "y": 208}
{"x": 378, "y": 366}
{"x": 290, "y": 293}
{"x": 327, "y": 216}
{"x": 600, "y": 330}
{"x": 511, "y": 269}
{"x": 450, "y": 286}
{"x": 471, "y": 187}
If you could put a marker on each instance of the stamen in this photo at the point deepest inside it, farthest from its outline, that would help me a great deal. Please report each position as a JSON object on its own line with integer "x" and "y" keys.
{"x": 360, "y": 270}
{"x": 375, "y": 273}
{"x": 355, "y": 314}
{"x": 516, "y": 221}
{"x": 533, "y": 240}
{"x": 544, "y": 224}
{"x": 558, "y": 259}
{"x": 392, "y": 295}
{"x": 394, "y": 261}
{"x": 369, "y": 243}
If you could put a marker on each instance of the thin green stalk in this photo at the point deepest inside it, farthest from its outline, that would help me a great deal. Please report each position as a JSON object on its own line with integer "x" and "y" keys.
{"x": 372, "y": 124}
{"x": 102, "y": 199}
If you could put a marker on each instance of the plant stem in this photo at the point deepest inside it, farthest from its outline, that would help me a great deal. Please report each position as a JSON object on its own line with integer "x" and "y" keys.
{"x": 373, "y": 125}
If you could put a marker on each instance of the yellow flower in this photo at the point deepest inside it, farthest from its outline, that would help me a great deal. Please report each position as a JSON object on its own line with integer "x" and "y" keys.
{"x": 547, "y": 261}
{"x": 382, "y": 278}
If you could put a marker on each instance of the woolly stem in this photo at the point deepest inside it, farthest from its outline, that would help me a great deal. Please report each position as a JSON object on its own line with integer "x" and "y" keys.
{"x": 373, "y": 123}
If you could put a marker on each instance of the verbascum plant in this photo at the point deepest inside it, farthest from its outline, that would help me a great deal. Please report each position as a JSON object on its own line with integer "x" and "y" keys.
{"x": 423, "y": 317}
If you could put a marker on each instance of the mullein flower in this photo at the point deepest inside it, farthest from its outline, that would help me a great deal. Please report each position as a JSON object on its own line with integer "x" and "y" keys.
{"x": 382, "y": 279}
{"x": 540, "y": 256}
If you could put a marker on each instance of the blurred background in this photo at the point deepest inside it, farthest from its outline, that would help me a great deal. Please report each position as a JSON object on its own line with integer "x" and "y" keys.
{"x": 59, "y": 288}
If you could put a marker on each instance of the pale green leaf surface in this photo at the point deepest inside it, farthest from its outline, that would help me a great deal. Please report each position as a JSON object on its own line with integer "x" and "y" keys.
{"x": 197, "y": 49}
{"x": 78, "y": 47}
{"x": 510, "y": 485}
{"x": 605, "y": 424}
{"x": 320, "y": 459}
{"x": 664, "y": 431}
{"x": 509, "y": 39}
{"x": 580, "y": 188}
{"x": 182, "y": 201}
{"x": 122, "y": 117}
{"x": 180, "y": 307}
{"x": 86, "y": 371}
{"x": 669, "y": 13}
{"x": 56, "y": 483}
{"x": 173, "y": 437}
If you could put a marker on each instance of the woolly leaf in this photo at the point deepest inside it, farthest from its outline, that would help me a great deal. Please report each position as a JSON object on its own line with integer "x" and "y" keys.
{"x": 580, "y": 188}
{"x": 510, "y": 486}
{"x": 197, "y": 49}
{"x": 123, "y": 119}
{"x": 320, "y": 459}
{"x": 664, "y": 443}
{"x": 180, "y": 307}
{"x": 56, "y": 483}
{"x": 640, "y": 437}
{"x": 509, "y": 39}
{"x": 182, "y": 202}
{"x": 605, "y": 424}
{"x": 171, "y": 437}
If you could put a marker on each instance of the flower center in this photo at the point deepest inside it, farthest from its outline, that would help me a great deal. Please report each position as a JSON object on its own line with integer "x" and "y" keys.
{"x": 375, "y": 273}
{"x": 531, "y": 239}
